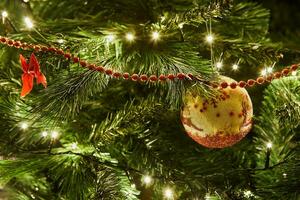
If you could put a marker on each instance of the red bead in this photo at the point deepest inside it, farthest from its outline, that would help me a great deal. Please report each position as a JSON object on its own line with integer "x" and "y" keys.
{"x": 3, "y": 40}
{"x": 294, "y": 67}
{"x": 24, "y": 45}
{"x": 260, "y": 80}
{"x": 59, "y": 51}
{"x": 82, "y": 63}
{"x": 270, "y": 78}
{"x": 10, "y": 42}
{"x": 51, "y": 49}
{"x": 153, "y": 78}
{"x": 67, "y": 55}
{"x": 277, "y": 75}
{"x": 180, "y": 76}
{"x": 251, "y": 82}
{"x": 75, "y": 59}
{"x": 100, "y": 69}
{"x": 108, "y": 72}
{"x": 126, "y": 75}
{"x": 224, "y": 84}
{"x": 116, "y": 75}
{"x": 144, "y": 77}
{"x": 171, "y": 76}
{"x": 134, "y": 77}
{"x": 37, "y": 48}
{"x": 162, "y": 77}
{"x": 44, "y": 48}
{"x": 242, "y": 84}
{"x": 285, "y": 71}
{"x": 17, "y": 44}
{"x": 233, "y": 85}
{"x": 92, "y": 67}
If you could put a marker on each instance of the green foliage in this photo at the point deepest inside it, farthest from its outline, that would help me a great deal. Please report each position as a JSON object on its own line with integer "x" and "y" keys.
{"x": 113, "y": 132}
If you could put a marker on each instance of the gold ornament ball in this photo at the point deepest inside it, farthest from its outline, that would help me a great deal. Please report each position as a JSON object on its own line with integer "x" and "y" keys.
{"x": 218, "y": 122}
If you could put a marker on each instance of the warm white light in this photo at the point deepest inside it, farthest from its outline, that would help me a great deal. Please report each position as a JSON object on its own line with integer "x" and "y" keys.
{"x": 24, "y": 125}
{"x": 284, "y": 175}
{"x": 248, "y": 193}
{"x": 26, "y": 1}
{"x": 4, "y": 14}
{"x": 168, "y": 193}
{"x": 132, "y": 185}
{"x": 44, "y": 134}
{"x": 28, "y": 22}
{"x": 74, "y": 146}
{"x": 155, "y": 35}
{"x": 269, "y": 69}
{"x": 130, "y": 37}
{"x": 147, "y": 179}
{"x": 54, "y": 134}
{"x": 294, "y": 73}
{"x": 219, "y": 65}
{"x": 235, "y": 67}
{"x": 264, "y": 72}
{"x": 180, "y": 25}
{"x": 110, "y": 38}
{"x": 269, "y": 145}
{"x": 209, "y": 38}
{"x": 60, "y": 41}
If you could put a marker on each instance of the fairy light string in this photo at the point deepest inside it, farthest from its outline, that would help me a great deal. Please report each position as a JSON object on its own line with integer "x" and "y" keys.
{"x": 152, "y": 78}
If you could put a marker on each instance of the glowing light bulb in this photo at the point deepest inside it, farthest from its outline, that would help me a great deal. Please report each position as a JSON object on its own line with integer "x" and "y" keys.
{"x": 4, "y": 14}
{"x": 264, "y": 72}
{"x": 28, "y": 22}
{"x": 60, "y": 41}
{"x": 209, "y": 38}
{"x": 168, "y": 193}
{"x": 180, "y": 25}
{"x": 24, "y": 125}
{"x": 219, "y": 65}
{"x": 54, "y": 134}
{"x": 26, "y": 1}
{"x": 235, "y": 67}
{"x": 155, "y": 35}
{"x": 44, "y": 134}
{"x": 110, "y": 38}
{"x": 129, "y": 37}
{"x": 284, "y": 175}
{"x": 269, "y": 145}
{"x": 74, "y": 146}
{"x": 147, "y": 179}
{"x": 294, "y": 73}
{"x": 248, "y": 193}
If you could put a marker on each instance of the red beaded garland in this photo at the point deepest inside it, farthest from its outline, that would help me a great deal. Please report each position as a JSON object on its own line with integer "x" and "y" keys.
{"x": 126, "y": 75}
{"x": 260, "y": 80}
{"x": 144, "y": 77}
{"x": 152, "y": 78}
{"x": 233, "y": 85}
{"x": 162, "y": 77}
{"x": 242, "y": 84}
{"x": 251, "y": 82}
{"x": 224, "y": 84}
{"x": 134, "y": 77}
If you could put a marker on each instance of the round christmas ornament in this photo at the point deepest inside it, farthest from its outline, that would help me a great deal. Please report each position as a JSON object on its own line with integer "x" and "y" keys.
{"x": 221, "y": 121}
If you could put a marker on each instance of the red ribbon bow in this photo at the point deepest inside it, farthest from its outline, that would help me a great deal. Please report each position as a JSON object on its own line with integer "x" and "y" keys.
{"x": 30, "y": 71}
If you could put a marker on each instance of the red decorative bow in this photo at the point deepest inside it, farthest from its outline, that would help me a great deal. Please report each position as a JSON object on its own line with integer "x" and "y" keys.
{"x": 30, "y": 71}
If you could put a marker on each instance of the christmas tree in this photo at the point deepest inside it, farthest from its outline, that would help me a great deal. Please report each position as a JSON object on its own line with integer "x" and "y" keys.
{"x": 104, "y": 99}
